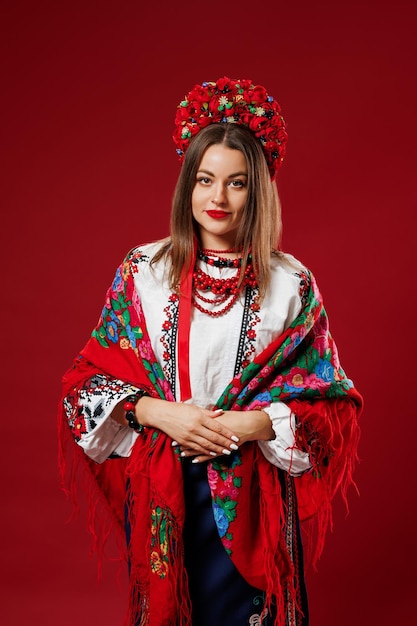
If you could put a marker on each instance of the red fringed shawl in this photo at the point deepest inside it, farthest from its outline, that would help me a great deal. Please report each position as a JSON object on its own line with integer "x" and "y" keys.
{"x": 300, "y": 368}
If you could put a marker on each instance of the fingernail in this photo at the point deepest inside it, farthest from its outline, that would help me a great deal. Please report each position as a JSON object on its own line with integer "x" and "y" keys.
{"x": 234, "y": 446}
{"x": 182, "y": 454}
{"x": 234, "y": 438}
{"x": 213, "y": 454}
{"x": 226, "y": 452}
{"x": 218, "y": 411}
{"x": 175, "y": 443}
{"x": 195, "y": 461}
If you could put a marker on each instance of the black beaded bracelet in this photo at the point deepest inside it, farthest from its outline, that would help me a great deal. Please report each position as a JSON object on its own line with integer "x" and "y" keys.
{"x": 129, "y": 407}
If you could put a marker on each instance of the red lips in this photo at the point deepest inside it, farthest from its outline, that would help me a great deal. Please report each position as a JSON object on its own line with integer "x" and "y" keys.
{"x": 217, "y": 215}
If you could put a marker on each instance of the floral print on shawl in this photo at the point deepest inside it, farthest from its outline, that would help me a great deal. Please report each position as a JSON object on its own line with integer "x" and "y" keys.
{"x": 301, "y": 364}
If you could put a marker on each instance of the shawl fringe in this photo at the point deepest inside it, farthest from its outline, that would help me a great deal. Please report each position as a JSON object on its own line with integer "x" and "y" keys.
{"x": 78, "y": 477}
{"x": 330, "y": 432}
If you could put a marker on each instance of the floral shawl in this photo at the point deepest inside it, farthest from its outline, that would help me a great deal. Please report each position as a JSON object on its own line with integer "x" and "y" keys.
{"x": 300, "y": 368}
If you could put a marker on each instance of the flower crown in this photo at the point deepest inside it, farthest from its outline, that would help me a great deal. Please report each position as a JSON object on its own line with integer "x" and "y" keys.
{"x": 233, "y": 102}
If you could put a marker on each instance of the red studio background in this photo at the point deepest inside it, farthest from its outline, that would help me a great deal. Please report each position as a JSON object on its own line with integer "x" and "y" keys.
{"x": 89, "y": 91}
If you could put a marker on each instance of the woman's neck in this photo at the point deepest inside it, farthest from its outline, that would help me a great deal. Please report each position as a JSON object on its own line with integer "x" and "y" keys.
{"x": 219, "y": 245}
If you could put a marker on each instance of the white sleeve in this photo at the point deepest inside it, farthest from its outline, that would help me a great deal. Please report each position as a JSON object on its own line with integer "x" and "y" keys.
{"x": 90, "y": 419}
{"x": 281, "y": 451}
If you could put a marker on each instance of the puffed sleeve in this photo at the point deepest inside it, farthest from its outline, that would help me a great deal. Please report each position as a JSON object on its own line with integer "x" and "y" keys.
{"x": 89, "y": 410}
{"x": 281, "y": 451}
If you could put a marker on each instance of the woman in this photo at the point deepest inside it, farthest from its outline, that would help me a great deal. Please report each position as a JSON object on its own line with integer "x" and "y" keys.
{"x": 210, "y": 401}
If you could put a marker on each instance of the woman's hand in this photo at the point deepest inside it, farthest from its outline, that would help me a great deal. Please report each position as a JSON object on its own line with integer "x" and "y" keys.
{"x": 195, "y": 430}
{"x": 247, "y": 426}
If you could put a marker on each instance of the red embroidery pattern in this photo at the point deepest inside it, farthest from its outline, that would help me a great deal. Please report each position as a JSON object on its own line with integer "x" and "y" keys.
{"x": 168, "y": 339}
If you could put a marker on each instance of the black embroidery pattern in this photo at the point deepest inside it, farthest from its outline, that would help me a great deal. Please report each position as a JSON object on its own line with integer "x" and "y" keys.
{"x": 250, "y": 319}
{"x": 86, "y": 408}
{"x": 169, "y": 339}
{"x": 304, "y": 287}
{"x": 136, "y": 257}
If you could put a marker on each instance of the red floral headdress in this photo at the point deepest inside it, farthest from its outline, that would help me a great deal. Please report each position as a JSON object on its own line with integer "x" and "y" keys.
{"x": 233, "y": 102}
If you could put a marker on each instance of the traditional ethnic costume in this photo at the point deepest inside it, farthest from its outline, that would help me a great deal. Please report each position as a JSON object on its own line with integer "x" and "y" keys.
{"x": 240, "y": 514}
{"x": 218, "y": 542}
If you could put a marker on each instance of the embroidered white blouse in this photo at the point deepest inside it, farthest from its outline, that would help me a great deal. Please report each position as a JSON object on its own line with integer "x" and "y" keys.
{"x": 218, "y": 347}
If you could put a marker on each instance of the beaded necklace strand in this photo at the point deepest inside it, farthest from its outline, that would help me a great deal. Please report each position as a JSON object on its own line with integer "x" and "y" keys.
{"x": 224, "y": 288}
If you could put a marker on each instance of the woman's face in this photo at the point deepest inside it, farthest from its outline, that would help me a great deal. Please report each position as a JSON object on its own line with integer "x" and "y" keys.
{"x": 219, "y": 195}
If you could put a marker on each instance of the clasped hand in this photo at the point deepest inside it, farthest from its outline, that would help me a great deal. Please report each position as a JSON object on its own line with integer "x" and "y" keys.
{"x": 194, "y": 429}
{"x": 202, "y": 433}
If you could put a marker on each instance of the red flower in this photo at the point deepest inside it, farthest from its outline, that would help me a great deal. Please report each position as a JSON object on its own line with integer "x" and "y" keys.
{"x": 205, "y": 121}
{"x": 166, "y": 325}
{"x": 224, "y": 84}
{"x": 257, "y": 122}
{"x": 194, "y": 108}
{"x": 79, "y": 427}
{"x": 271, "y": 148}
{"x": 199, "y": 94}
{"x": 295, "y": 377}
{"x": 213, "y": 106}
{"x": 181, "y": 115}
{"x": 259, "y": 94}
{"x": 245, "y": 84}
{"x": 193, "y": 128}
{"x": 251, "y": 334}
{"x": 245, "y": 118}
{"x": 270, "y": 133}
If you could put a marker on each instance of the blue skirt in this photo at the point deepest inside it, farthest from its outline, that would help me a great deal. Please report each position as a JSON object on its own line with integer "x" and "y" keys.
{"x": 220, "y": 596}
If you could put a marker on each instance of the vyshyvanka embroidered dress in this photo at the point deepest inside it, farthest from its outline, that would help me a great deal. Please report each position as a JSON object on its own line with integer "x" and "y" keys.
{"x": 236, "y": 518}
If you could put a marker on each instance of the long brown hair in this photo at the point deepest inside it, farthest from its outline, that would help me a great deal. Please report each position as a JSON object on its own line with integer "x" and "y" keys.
{"x": 260, "y": 228}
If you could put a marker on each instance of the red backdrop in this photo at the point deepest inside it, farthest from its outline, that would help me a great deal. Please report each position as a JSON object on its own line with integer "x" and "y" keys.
{"x": 89, "y": 93}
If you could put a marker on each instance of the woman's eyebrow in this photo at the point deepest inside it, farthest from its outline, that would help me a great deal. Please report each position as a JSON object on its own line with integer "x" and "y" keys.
{"x": 230, "y": 175}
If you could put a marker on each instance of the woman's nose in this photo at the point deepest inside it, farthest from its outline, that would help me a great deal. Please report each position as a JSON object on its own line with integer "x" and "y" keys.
{"x": 219, "y": 195}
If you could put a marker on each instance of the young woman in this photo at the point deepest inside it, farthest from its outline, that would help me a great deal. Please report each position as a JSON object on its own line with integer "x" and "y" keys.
{"x": 210, "y": 402}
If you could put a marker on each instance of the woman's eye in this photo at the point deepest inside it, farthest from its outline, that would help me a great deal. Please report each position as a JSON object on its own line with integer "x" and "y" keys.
{"x": 237, "y": 183}
{"x": 203, "y": 180}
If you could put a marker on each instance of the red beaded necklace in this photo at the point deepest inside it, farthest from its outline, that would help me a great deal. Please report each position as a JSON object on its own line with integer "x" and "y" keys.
{"x": 217, "y": 252}
{"x": 224, "y": 288}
